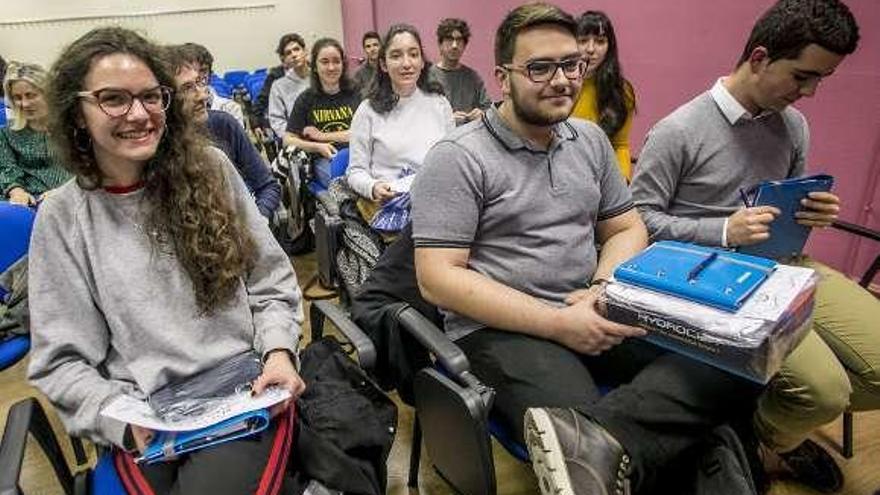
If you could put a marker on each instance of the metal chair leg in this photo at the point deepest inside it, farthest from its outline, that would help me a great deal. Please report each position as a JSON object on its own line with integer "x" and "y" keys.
{"x": 79, "y": 451}
{"x": 848, "y": 435}
{"x": 415, "y": 454}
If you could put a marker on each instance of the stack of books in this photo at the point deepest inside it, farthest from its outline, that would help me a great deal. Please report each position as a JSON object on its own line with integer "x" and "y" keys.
{"x": 738, "y": 312}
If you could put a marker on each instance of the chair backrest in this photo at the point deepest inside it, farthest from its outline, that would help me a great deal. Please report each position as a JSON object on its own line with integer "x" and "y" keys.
{"x": 222, "y": 87}
{"x": 12, "y": 349}
{"x": 339, "y": 164}
{"x": 235, "y": 77}
{"x": 254, "y": 84}
{"x": 16, "y": 223}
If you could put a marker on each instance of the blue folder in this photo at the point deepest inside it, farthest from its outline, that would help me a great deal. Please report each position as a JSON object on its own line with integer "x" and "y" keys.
{"x": 710, "y": 276}
{"x": 787, "y": 237}
{"x": 168, "y": 445}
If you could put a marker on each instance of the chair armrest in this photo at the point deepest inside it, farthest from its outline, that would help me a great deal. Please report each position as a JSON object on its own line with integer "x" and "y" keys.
{"x": 856, "y": 229}
{"x": 27, "y": 416}
{"x": 321, "y": 310}
{"x": 450, "y": 356}
{"x": 867, "y": 233}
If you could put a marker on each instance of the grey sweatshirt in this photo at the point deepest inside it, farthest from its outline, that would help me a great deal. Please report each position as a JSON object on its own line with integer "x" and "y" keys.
{"x": 695, "y": 161}
{"x": 285, "y": 90}
{"x": 111, "y": 315}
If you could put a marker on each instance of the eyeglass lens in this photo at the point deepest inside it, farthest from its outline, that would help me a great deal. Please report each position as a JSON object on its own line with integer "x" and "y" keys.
{"x": 543, "y": 71}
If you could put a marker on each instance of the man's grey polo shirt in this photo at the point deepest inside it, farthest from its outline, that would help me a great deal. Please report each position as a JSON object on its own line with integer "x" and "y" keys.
{"x": 528, "y": 216}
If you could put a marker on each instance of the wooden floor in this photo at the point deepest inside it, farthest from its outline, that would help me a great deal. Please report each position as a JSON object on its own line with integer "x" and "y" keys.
{"x": 862, "y": 472}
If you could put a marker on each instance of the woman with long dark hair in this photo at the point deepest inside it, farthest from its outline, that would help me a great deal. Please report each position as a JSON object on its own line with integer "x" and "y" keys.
{"x": 153, "y": 266}
{"x": 606, "y": 98}
{"x": 404, "y": 114}
{"x": 28, "y": 168}
{"x": 321, "y": 119}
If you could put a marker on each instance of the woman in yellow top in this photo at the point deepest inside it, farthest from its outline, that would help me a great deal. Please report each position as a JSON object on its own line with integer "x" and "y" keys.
{"x": 606, "y": 97}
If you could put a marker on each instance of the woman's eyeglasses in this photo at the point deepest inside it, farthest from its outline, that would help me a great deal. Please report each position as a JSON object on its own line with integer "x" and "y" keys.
{"x": 116, "y": 102}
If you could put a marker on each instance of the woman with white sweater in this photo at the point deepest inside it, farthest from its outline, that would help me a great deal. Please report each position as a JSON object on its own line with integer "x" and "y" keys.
{"x": 404, "y": 114}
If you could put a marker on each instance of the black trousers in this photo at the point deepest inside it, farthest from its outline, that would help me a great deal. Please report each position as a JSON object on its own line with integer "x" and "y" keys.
{"x": 662, "y": 404}
{"x": 253, "y": 465}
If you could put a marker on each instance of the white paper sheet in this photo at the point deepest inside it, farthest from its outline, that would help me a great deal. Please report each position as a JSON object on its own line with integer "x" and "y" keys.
{"x": 403, "y": 184}
{"x": 134, "y": 411}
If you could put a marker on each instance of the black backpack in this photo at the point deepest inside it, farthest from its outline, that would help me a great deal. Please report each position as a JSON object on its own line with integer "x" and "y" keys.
{"x": 345, "y": 427}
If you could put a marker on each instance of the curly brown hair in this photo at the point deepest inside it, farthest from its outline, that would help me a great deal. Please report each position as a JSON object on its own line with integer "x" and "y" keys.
{"x": 186, "y": 192}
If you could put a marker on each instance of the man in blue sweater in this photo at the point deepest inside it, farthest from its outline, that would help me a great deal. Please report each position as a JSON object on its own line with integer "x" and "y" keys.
{"x": 226, "y": 133}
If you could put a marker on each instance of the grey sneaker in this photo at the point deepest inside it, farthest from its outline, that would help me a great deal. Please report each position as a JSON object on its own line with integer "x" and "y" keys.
{"x": 573, "y": 455}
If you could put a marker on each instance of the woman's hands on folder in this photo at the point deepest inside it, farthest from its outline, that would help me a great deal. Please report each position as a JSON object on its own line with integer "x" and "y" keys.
{"x": 583, "y": 329}
{"x": 820, "y": 209}
{"x": 279, "y": 370}
{"x": 750, "y": 225}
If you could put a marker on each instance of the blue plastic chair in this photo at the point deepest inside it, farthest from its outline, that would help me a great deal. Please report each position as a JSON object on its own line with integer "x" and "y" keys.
{"x": 16, "y": 223}
{"x": 13, "y": 349}
{"x": 235, "y": 78}
{"x": 221, "y": 86}
{"x": 254, "y": 84}
{"x": 338, "y": 166}
{"x": 27, "y": 416}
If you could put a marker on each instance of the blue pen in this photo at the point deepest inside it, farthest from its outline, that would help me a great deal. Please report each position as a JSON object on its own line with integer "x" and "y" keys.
{"x": 745, "y": 198}
{"x": 701, "y": 265}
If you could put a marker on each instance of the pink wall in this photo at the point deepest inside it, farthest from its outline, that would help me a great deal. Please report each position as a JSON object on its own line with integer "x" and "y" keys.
{"x": 675, "y": 49}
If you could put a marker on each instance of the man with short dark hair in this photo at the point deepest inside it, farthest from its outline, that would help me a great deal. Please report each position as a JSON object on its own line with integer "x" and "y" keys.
{"x": 286, "y": 89}
{"x": 507, "y": 213}
{"x": 261, "y": 104}
{"x": 192, "y": 90}
{"x": 464, "y": 87}
{"x": 371, "y": 42}
{"x": 744, "y": 131}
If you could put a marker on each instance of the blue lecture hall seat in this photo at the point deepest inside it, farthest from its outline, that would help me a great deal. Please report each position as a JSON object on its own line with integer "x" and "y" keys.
{"x": 16, "y": 223}
{"x": 27, "y": 416}
{"x": 236, "y": 77}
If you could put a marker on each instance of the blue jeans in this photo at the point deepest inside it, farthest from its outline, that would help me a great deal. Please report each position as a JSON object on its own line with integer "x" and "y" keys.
{"x": 321, "y": 171}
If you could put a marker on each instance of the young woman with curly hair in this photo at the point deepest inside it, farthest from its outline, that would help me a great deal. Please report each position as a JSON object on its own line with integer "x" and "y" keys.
{"x": 152, "y": 266}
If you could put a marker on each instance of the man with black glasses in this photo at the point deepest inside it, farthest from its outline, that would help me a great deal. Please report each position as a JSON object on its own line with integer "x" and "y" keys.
{"x": 507, "y": 212}
{"x": 225, "y": 132}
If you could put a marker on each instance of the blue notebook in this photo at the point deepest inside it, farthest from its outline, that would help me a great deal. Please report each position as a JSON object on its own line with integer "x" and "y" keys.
{"x": 168, "y": 445}
{"x": 787, "y": 237}
{"x": 714, "y": 277}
